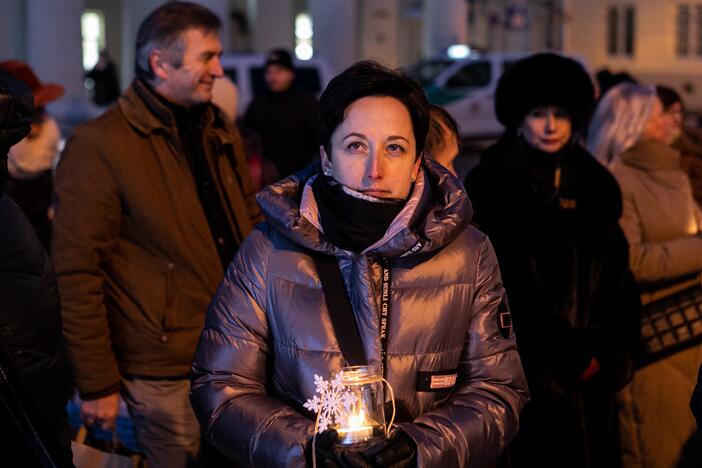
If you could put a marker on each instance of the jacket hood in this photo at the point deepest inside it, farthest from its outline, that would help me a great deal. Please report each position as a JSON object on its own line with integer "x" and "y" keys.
{"x": 437, "y": 211}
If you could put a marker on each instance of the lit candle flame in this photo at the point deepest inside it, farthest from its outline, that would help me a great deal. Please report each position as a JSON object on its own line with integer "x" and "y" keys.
{"x": 356, "y": 420}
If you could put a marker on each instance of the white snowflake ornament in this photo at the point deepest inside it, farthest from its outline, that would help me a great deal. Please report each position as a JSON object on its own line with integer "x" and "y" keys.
{"x": 333, "y": 403}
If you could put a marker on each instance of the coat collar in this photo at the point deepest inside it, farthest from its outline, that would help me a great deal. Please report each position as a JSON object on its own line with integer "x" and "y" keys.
{"x": 436, "y": 213}
{"x": 145, "y": 112}
{"x": 652, "y": 155}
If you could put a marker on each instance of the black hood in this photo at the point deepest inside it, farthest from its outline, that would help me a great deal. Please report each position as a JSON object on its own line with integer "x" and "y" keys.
{"x": 16, "y": 116}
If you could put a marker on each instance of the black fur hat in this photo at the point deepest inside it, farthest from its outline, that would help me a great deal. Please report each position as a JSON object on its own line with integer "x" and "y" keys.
{"x": 544, "y": 79}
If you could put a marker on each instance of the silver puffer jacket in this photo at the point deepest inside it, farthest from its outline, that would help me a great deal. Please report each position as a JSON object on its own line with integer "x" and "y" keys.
{"x": 268, "y": 331}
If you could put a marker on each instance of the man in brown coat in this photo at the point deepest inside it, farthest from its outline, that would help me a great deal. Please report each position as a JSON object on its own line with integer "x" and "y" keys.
{"x": 153, "y": 199}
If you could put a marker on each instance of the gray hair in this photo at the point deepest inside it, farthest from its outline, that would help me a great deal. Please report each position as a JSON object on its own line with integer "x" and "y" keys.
{"x": 619, "y": 120}
{"x": 163, "y": 29}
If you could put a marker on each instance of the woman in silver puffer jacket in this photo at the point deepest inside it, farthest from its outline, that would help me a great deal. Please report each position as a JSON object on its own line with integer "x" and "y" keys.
{"x": 376, "y": 202}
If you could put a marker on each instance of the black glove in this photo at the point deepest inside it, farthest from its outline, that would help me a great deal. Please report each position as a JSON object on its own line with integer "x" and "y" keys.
{"x": 399, "y": 451}
{"x": 332, "y": 455}
{"x": 402, "y": 411}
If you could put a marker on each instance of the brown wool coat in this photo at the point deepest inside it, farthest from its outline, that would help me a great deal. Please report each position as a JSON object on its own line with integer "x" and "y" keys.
{"x": 135, "y": 259}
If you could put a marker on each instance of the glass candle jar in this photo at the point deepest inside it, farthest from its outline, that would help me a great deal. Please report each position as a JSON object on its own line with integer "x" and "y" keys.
{"x": 363, "y": 421}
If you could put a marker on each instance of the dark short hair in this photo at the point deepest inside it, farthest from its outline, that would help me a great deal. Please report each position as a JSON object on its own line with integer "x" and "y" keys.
{"x": 435, "y": 138}
{"x": 163, "y": 28}
{"x": 365, "y": 79}
{"x": 667, "y": 96}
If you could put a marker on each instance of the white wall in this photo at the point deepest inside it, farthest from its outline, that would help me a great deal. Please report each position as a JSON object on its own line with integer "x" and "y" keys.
{"x": 380, "y": 20}
{"x": 12, "y": 44}
{"x": 272, "y": 24}
{"x": 655, "y": 30}
{"x": 445, "y": 23}
{"x": 54, "y": 50}
{"x": 335, "y": 24}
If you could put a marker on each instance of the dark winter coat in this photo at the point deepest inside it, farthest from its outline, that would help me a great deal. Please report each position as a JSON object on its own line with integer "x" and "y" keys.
{"x": 565, "y": 267}
{"x": 287, "y": 125}
{"x": 32, "y": 351}
{"x": 135, "y": 258}
{"x": 268, "y": 330}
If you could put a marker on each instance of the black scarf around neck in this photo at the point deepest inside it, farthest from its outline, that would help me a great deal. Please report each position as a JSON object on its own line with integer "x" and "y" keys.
{"x": 348, "y": 222}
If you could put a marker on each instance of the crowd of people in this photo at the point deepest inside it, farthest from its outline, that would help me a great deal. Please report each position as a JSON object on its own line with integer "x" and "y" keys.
{"x": 504, "y": 311}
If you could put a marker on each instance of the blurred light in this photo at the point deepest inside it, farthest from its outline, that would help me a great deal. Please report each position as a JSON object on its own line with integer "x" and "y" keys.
{"x": 304, "y": 51}
{"x": 92, "y": 29}
{"x": 303, "y": 36}
{"x": 458, "y": 51}
{"x": 303, "y": 26}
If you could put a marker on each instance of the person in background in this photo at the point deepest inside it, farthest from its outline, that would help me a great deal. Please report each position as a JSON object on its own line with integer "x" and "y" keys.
{"x": 685, "y": 138}
{"x": 153, "y": 199}
{"x": 226, "y": 97}
{"x": 551, "y": 212}
{"x": 284, "y": 118}
{"x": 606, "y": 80}
{"x": 32, "y": 160}
{"x": 385, "y": 218}
{"x": 35, "y": 382}
{"x": 444, "y": 139}
{"x": 661, "y": 221}
{"x": 102, "y": 81}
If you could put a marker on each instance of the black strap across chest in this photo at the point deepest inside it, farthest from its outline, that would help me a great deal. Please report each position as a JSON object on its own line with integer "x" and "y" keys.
{"x": 341, "y": 313}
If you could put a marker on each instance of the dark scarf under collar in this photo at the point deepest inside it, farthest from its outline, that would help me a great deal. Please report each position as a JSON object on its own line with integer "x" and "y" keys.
{"x": 348, "y": 222}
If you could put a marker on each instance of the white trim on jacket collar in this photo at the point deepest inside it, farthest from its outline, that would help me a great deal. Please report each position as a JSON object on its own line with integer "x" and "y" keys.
{"x": 310, "y": 211}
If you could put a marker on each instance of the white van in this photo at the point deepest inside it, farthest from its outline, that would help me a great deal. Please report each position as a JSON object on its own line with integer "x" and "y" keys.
{"x": 247, "y": 70}
{"x": 466, "y": 89}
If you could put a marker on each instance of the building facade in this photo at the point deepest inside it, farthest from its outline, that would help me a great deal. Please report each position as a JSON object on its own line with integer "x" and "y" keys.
{"x": 656, "y": 41}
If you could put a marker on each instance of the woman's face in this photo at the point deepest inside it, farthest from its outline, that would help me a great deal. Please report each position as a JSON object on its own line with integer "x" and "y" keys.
{"x": 547, "y": 128}
{"x": 374, "y": 149}
{"x": 658, "y": 126}
{"x": 675, "y": 117}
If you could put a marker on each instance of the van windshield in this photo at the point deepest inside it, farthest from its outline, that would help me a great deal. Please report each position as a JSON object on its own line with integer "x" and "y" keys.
{"x": 470, "y": 75}
{"x": 426, "y": 71}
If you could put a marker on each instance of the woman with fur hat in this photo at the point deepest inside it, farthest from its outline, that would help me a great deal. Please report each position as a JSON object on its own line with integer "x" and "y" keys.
{"x": 551, "y": 212}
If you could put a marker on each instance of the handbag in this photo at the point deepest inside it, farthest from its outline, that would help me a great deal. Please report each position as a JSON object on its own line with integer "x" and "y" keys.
{"x": 85, "y": 456}
{"x": 671, "y": 317}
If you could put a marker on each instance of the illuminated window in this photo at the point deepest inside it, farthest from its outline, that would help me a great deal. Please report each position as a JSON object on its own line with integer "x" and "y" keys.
{"x": 92, "y": 27}
{"x": 303, "y": 36}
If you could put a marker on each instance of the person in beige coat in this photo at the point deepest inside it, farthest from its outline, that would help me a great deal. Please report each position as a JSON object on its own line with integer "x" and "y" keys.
{"x": 661, "y": 220}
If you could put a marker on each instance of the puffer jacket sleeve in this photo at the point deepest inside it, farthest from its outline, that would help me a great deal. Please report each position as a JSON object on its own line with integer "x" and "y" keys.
{"x": 482, "y": 415}
{"x": 230, "y": 388}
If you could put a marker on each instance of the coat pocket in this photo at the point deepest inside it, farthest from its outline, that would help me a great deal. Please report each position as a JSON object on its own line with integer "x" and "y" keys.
{"x": 136, "y": 291}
